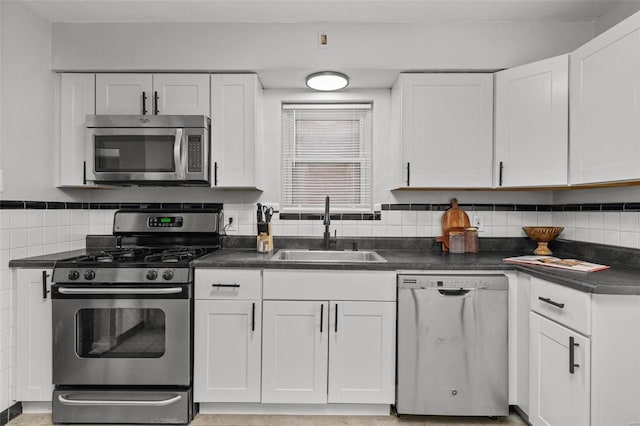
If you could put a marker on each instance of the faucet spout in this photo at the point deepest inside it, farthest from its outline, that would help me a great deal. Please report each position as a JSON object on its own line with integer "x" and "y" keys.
{"x": 327, "y": 218}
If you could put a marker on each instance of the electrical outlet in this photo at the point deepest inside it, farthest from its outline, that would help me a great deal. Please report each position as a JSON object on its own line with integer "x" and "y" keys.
{"x": 478, "y": 222}
{"x": 323, "y": 40}
{"x": 231, "y": 223}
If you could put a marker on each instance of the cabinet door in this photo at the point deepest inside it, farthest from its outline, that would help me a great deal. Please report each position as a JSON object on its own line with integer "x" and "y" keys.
{"x": 235, "y": 139}
{"x": 77, "y": 99}
{"x": 532, "y": 124}
{"x": 124, "y": 94}
{"x": 33, "y": 335}
{"x": 605, "y": 87}
{"x": 447, "y": 130}
{"x": 186, "y": 94}
{"x": 227, "y": 351}
{"x": 362, "y": 352}
{"x": 294, "y": 352}
{"x": 558, "y": 396}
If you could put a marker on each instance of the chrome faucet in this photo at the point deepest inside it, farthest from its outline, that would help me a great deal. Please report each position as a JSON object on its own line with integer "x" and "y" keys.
{"x": 326, "y": 222}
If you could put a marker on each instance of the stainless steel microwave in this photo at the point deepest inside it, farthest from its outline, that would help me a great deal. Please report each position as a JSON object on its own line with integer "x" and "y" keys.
{"x": 148, "y": 150}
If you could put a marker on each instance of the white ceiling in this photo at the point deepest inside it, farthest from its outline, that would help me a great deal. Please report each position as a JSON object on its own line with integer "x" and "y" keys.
{"x": 330, "y": 11}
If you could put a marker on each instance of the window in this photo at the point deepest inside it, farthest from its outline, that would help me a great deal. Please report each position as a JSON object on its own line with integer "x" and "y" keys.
{"x": 326, "y": 150}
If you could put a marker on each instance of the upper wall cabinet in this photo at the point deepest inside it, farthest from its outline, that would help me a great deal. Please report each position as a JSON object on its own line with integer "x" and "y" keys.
{"x": 531, "y": 125}
{"x": 446, "y": 129}
{"x": 152, "y": 94}
{"x": 77, "y": 99}
{"x": 605, "y": 107}
{"x": 236, "y": 138}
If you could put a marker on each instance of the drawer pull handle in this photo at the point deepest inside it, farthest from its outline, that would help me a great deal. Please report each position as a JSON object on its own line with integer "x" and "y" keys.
{"x": 225, "y": 285}
{"x": 321, "y": 316}
{"x": 253, "y": 317}
{"x": 551, "y": 302}
{"x": 572, "y": 355}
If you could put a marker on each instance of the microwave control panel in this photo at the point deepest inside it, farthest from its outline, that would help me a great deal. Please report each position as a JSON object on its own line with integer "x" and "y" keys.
{"x": 194, "y": 155}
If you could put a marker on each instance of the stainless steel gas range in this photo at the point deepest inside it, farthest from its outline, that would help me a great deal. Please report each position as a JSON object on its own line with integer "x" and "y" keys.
{"x": 123, "y": 323}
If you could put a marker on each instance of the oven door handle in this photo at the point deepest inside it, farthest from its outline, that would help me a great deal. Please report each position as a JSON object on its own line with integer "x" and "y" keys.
{"x": 169, "y": 290}
{"x": 177, "y": 155}
{"x": 159, "y": 403}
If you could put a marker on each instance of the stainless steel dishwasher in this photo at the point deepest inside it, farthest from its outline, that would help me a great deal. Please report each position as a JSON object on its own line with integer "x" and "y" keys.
{"x": 452, "y": 345}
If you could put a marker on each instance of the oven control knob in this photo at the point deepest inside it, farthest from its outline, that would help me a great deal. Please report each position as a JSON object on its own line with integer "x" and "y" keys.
{"x": 74, "y": 275}
{"x": 152, "y": 275}
{"x": 89, "y": 275}
{"x": 168, "y": 275}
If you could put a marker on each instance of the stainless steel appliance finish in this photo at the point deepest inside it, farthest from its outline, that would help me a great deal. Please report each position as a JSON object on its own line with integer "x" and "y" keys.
{"x": 122, "y": 321}
{"x": 327, "y": 256}
{"x": 109, "y": 406}
{"x": 148, "y": 150}
{"x": 452, "y": 345}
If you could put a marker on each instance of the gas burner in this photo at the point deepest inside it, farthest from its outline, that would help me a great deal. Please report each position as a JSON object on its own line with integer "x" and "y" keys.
{"x": 114, "y": 255}
{"x": 175, "y": 255}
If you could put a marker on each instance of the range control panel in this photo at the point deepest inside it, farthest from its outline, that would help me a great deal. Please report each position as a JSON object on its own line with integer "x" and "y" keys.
{"x": 194, "y": 156}
{"x": 165, "y": 222}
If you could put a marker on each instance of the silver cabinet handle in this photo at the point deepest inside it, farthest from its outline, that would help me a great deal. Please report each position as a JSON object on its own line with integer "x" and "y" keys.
{"x": 177, "y": 154}
{"x": 170, "y": 290}
{"x": 158, "y": 403}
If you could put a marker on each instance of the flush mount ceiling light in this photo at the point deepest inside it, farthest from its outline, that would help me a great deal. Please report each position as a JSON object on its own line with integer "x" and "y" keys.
{"x": 327, "y": 81}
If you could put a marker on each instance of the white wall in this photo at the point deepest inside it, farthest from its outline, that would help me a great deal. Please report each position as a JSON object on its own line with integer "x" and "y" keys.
{"x": 281, "y": 47}
{"x": 616, "y": 14}
{"x": 27, "y": 85}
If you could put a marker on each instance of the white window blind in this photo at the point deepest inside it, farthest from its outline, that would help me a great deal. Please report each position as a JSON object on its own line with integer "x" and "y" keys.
{"x": 326, "y": 150}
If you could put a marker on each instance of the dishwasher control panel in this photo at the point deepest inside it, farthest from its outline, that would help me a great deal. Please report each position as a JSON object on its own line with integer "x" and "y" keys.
{"x": 487, "y": 281}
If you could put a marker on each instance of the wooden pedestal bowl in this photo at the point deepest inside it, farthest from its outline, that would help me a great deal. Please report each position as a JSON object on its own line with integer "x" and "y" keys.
{"x": 542, "y": 235}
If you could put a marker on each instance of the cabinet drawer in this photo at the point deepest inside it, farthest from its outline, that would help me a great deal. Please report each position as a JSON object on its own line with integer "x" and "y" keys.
{"x": 228, "y": 284}
{"x": 569, "y": 307}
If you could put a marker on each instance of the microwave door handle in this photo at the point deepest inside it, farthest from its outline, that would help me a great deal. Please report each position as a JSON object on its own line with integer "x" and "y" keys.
{"x": 177, "y": 154}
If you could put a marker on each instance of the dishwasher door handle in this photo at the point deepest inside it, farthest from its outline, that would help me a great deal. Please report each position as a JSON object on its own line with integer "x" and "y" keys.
{"x": 454, "y": 292}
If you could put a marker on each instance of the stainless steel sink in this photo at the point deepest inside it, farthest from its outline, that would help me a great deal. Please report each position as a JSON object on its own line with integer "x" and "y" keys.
{"x": 328, "y": 256}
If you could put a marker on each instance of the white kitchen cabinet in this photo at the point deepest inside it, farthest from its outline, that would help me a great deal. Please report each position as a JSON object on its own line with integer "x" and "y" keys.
{"x": 328, "y": 337}
{"x": 445, "y": 127}
{"x": 361, "y": 352}
{"x": 532, "y": 124}
{"x": 559, "y": 395}
{"x": 604, "y": 91}
{"x": 227, "y": 336}
{"x": 77, "y": 100}
{"x": 152, "y": 94}
{"x": 236, "y": 141}
{"x": 294, "y": 352}
{"x": 227, "y": 351}
{"x": 33, "y": 379}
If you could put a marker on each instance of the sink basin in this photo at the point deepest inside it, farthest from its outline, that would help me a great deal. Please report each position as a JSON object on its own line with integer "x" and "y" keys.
{"x": 328, "y": 256}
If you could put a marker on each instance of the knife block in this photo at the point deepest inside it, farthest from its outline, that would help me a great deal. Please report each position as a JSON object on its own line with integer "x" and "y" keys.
{"x": 264, "y": 240}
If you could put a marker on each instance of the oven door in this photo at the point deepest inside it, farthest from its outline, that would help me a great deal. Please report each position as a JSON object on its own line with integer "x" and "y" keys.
{"x": 117, "y": 335}
{"x": 136, "y": 154}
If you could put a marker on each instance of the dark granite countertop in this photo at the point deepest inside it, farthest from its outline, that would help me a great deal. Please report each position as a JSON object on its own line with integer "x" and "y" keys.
{"x": 418, "y": 255}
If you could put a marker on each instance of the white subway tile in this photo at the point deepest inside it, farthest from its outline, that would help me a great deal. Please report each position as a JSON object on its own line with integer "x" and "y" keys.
{"x": 394, "y": 231}
{"x": 5, "y": 239}
{"x": 5, "y": 401}
{"x": 629, "y": 239}
{"x": 409, "y": 218}
{"x": 37, "y": 250}
{"x": 611, "y": 238}
{"x": 247, "y": 229}
{"x": 515, "y": 231}
{"x": 569, "y": 234}
{"x": 436, "y": 219}
{"x": 499, "y": 231}
{"x": 5, "y": 277}
{"x": 582, "y": 220}
{"x": 305, "y": 228}
{"x": 51, "y": 235}
{"x": 5, "y": 339}
{"x": 424, "y": 231}
{"x": 5, "y": 219}
{"x": 365, "y": 229}
{"x": 50, "y": 248}
{"x": 629, "y": 221}
{"x": 35, "y": 218}
{"x": 423, "y": 218}
{"x": 64, "y": 233}
{"x": 529, "y": 219}
{"x": 611, "y": 221}
{"x": 5, "y": 357}
{"x": 76, "y": 245}
{"x": 19, "y": 237}
{"x": 35, "y": 236}
{"x": 582, "y": 234}
{"x": 545, "y": 218}
{"x": 409, "y": 231}
{"x": 64, "y": 217}
{"x": 5, "y": 300}
{"x": 596, "y": 220}
{"x": 18, "y": 253}
{"x": 514, "y": 218}
{"x": 499, "y": 218}
{"x": 64, "y": 246}
{"x": 19, "y": 219}
{"x": 349, "y": 229}
{"x": 569, "y": 219}
{"x": 51, "y": 218}
{"x": 394, "y": 217}
{"x": 289, "y": 229}
{"x": 595, "y": 236}
{"x": 247, "y": 217}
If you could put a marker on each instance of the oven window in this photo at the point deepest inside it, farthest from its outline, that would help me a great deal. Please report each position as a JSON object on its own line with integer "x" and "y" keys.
{"x": 138, "y": 153}
{"x": 120, "y": 333}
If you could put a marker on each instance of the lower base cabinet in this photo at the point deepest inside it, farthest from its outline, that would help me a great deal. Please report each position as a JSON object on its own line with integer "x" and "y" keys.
{"x": 328, "y": 351}
{"x": 33, "y": 335}
{"x": 227, "y": 351}
{"x": 560, "y": 374}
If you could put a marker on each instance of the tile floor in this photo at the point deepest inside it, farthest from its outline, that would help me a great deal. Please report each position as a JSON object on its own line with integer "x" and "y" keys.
{"x": 255, "y": 420}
